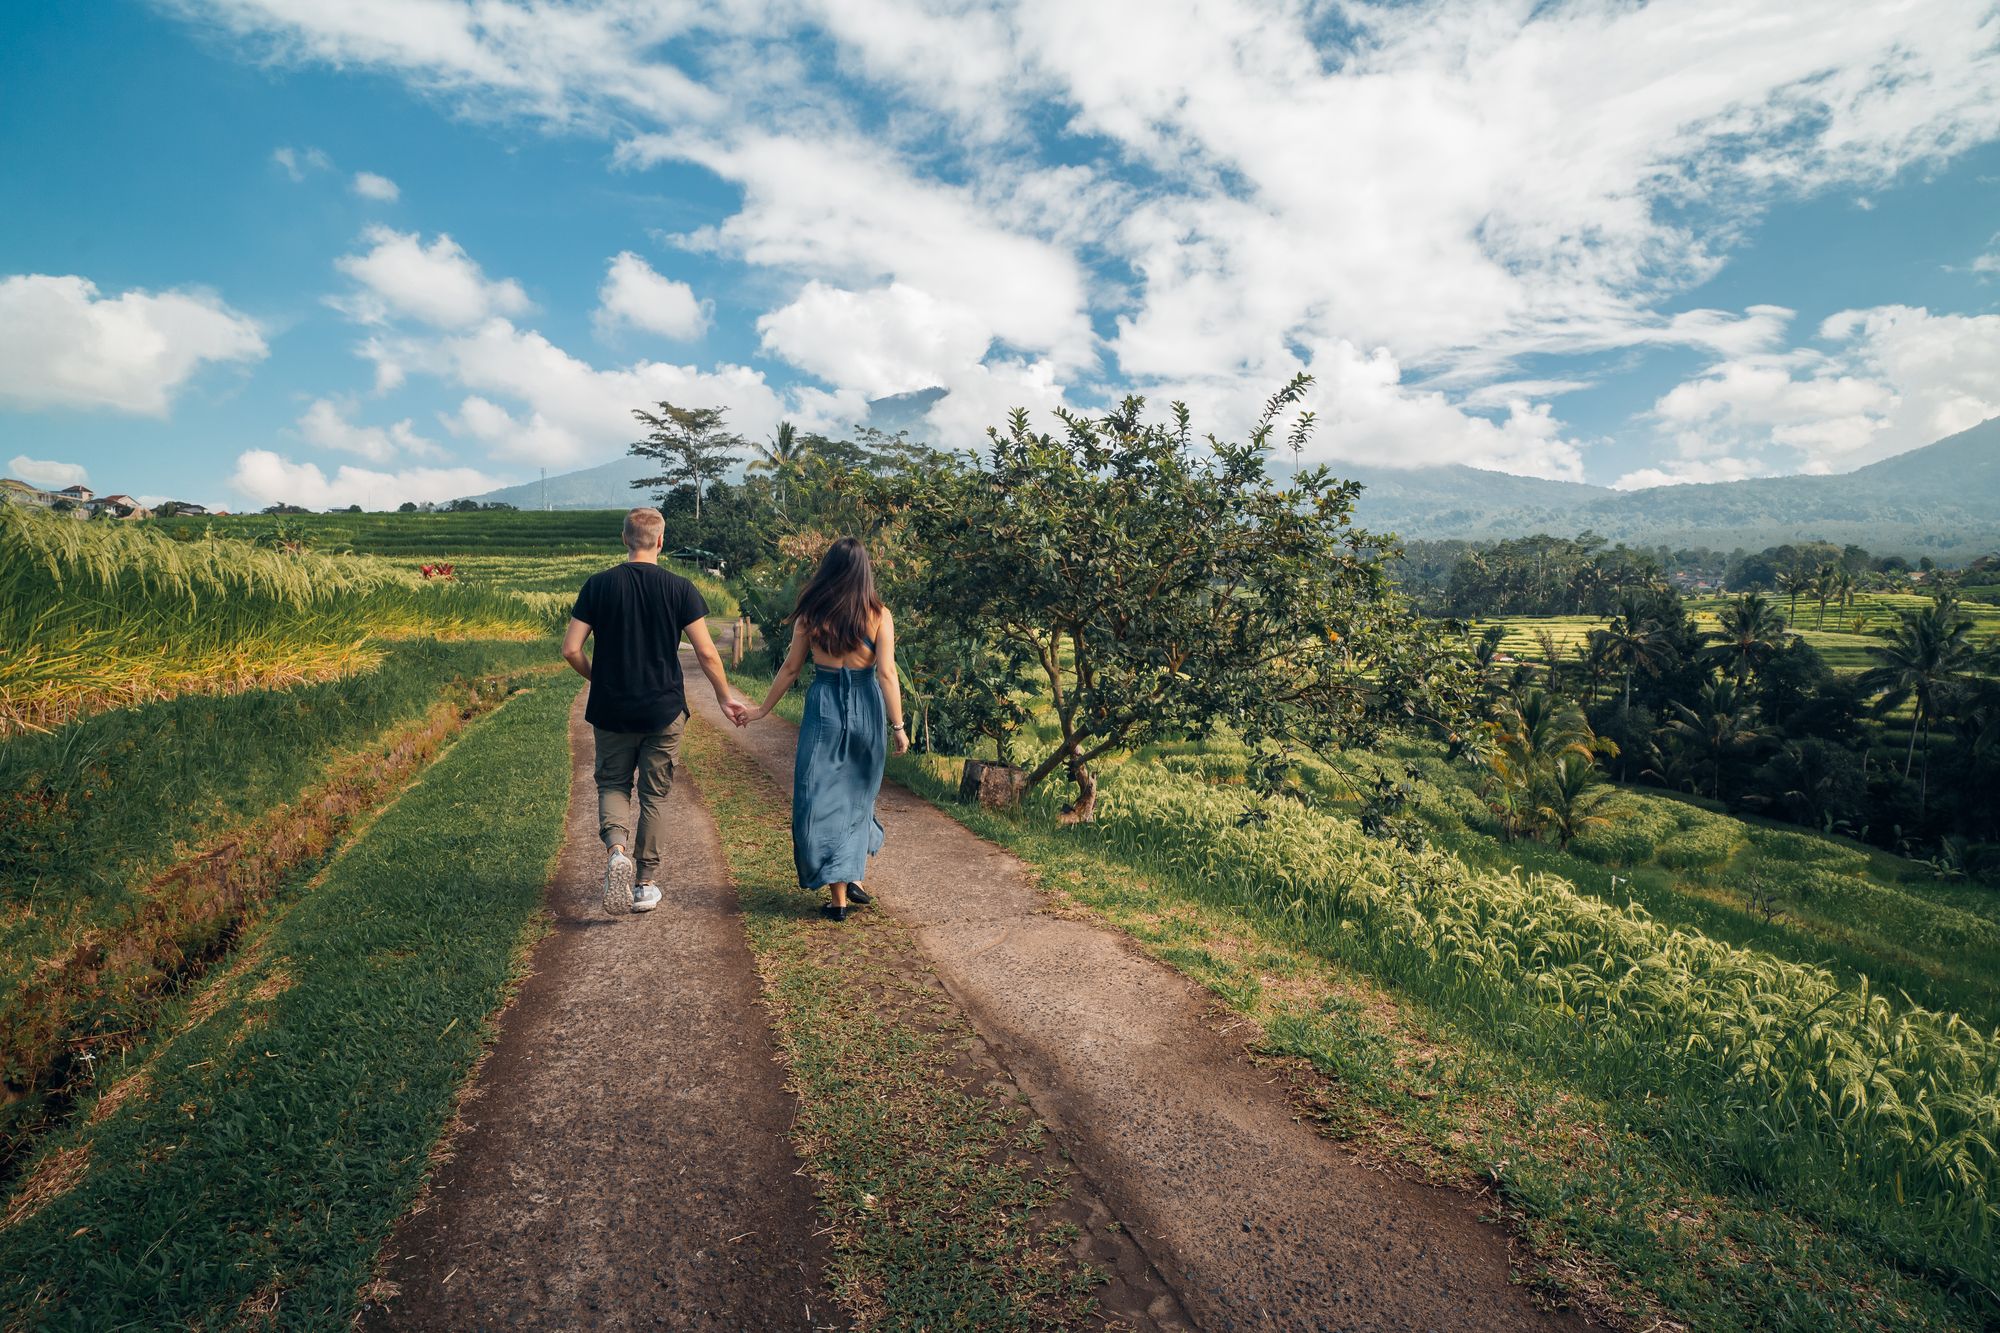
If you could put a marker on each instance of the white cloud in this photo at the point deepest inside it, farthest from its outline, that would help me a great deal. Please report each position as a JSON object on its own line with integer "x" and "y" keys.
{"x": 889, "y": 340}
{"x": 296, "y": 162}
{"x": 1223, "y": 186}
{"x": 437, "y": 284}
{"x": 635, "y": 296}
{"x": 851, "y": 214}
{"x": 1882, "y": 381}
{"x": 267, "y": 478}
{"x": 573, "y": 413}
{"x": 64, "y": 345}
{"x": 47, "y": 472}
{"x": 325, "y": 424}
{"x": 371, "y": 186}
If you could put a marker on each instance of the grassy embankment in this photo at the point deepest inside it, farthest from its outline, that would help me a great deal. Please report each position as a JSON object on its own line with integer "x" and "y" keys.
{"x": 943, "y": 1200}
{"x": 247, "y": 1163}
{"x": 1683, "y": 1126}
{"x": 1680, "y": 1125}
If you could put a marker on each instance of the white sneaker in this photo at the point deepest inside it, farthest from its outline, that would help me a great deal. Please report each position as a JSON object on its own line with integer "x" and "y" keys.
{"x": 619, "y": 872}
{"x": 646, "y": 897}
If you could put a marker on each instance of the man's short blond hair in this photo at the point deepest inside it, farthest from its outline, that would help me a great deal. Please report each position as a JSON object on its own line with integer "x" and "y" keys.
{"x": 644, "y": 530}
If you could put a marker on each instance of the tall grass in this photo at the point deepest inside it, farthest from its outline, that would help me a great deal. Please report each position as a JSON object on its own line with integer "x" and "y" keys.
{"x": 1880, "y": 1116}
{"x": 99, "y": 615}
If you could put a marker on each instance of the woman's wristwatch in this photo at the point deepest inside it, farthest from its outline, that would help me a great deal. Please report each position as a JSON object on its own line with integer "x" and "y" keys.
{"x": 895, "y": 726}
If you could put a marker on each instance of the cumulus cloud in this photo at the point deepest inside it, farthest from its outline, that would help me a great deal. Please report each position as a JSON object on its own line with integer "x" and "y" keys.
{"x": 634, "y": 296}
{"x": 268, "y": 478}
{"x": 399, "y": 276}
{"x": 325, "y": 424}
{"x": 1157, "y": 193}
{"x": 371, "y": 186}
{"x": 62, "y": 344}
{"x": 531, "y": 401}
{"x": 47, "y": 472}
{"x": 1876, "y": 383}
{"x": 889, "y": 340}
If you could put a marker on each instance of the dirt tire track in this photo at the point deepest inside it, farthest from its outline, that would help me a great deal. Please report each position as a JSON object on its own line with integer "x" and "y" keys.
{"x": 1259, "y": 1222}
{"x": 624, "y": 1161}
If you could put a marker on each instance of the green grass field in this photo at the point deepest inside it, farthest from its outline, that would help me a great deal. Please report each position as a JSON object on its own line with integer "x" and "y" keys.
{"x": 248, "y": 1163}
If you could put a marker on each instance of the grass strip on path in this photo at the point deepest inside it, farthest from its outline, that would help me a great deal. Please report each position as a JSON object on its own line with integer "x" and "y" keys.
{"x": 1613, "y": 1219}
{"x": 943, "y": 1197}
{"x": 250, "y": 1168}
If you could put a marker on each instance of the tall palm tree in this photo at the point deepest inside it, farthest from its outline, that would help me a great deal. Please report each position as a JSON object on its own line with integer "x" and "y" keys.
{"x": 1635, "y": 643}
{"x": 1752, "y": 632}
{"x": 780, "y": 456}
{"x": 1925, "y": 663}
{"x": 1571, "y": 798}
{"x": 1532, "y": 735}
{"x": 1722, "y": 725}
{"x": 1792, "y": 582}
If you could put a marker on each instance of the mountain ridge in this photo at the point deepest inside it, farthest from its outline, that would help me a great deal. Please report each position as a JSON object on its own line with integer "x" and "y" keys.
{"x": 1941, "y": 500}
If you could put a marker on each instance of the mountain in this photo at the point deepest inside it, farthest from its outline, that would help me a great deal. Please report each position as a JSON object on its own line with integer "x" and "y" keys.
{"x": 1942, "y": 500}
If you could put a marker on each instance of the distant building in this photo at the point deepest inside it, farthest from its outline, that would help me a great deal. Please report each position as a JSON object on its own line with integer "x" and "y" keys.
{"x": 83, "y": 495}
{"x": 118, "y": 506}
{"x": 21, "y": 493}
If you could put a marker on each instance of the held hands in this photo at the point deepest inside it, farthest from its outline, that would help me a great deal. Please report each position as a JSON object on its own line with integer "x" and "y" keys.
{"x": 736, "y": 710}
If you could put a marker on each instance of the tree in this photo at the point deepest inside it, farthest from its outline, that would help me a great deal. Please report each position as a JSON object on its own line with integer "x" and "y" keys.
{"x": 282, "y": 508}
{"x": 1161, "y": 588}
{"x": 1571, "y": 799}
{"x": 407, "y": 507}
{"x": 1633, "y": 641}
{"x": 691, "y": 447}
{"x": 1752, "y": 632}
{"x": 781, "y": 457}
{"x": 1923, "y": 663}
{"x": 1722, "y": 726}
{"x": 1540, "y": 760}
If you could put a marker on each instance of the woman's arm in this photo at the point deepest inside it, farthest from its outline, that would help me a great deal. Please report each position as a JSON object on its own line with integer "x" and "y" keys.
{"x": 795, "y": 662}
{"x": 892, "y": 684}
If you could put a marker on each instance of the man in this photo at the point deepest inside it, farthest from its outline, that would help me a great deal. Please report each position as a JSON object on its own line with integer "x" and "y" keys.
{"x": 638, "y": 707}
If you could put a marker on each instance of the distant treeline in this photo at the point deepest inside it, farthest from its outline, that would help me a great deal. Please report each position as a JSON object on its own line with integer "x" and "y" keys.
{"x": 1583, "y": 575}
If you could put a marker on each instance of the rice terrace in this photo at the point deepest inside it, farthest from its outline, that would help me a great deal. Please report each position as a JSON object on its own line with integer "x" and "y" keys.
{"x": 975, "y": 666}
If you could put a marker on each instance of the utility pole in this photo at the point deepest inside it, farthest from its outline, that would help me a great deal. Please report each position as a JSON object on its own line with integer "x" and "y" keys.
{"x": 545, "y": 490}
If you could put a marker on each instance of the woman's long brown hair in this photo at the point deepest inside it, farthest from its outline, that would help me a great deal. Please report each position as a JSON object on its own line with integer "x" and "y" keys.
{"x": 838, "y": 606}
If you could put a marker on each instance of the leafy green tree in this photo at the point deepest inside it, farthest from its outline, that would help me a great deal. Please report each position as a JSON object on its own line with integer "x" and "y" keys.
{"x": 691, "y": 447}
{"x": 1924, "y": 664}
{"x": 1632, "y": 641}
{"x": 1718, "y": 730}
{"x": 780, "y": 458}
{"x": 1540, "y": 761}
{"x": 1160, "y": 586}
{"x": 1752, "y": 633}
{"x": 1570, "y": 799}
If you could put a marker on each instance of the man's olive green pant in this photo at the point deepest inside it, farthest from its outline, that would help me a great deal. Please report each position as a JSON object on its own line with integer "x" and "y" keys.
{"x": 650, "y": 756}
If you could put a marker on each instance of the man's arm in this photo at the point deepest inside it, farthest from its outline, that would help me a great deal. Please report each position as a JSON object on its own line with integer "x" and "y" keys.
{"x": 572, "y": 649}
{"x": 711, "y": 666}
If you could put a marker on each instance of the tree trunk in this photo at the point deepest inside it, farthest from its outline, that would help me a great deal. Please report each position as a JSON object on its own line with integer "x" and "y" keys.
{"x": 1084, "y": 809}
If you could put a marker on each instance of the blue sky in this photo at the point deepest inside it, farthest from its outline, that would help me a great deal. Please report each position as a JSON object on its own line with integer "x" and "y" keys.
{"x": 387, "y": 249}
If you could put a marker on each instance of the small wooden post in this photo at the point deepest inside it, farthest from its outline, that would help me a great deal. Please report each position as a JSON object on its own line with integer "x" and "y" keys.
{"x": 736, "y": 642}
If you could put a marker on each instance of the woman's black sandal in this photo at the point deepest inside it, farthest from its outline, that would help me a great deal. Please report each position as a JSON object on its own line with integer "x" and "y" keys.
{"x": 832, "y": 913}
{"x": 859, "y": 896}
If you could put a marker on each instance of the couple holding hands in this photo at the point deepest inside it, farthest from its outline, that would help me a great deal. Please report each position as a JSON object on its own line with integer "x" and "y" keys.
{"x": 637, "y": 612}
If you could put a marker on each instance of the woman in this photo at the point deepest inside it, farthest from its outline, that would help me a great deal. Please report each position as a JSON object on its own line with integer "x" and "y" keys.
{"x": 855, "y": 702}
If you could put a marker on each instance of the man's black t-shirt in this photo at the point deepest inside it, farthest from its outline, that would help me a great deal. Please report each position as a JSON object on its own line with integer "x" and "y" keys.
{"x": 637, "y": 612}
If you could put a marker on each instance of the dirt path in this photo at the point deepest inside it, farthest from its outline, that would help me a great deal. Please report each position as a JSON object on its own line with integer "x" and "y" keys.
{"x": 1259, "y": 1221}
{"x": 624, "y": 1163}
